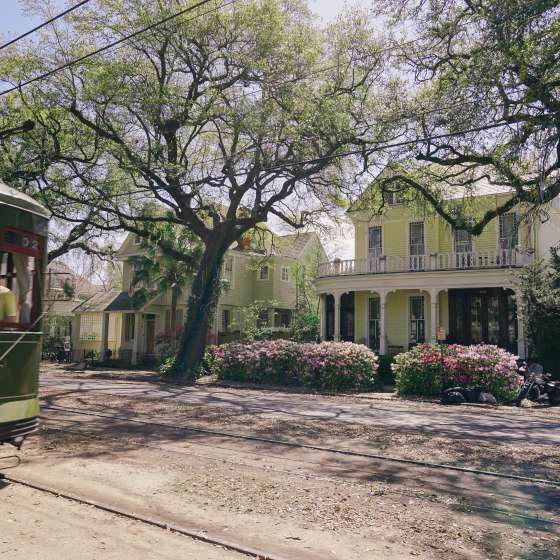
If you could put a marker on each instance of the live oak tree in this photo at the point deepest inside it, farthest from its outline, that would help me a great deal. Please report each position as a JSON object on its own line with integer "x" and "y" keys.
{"x": 226, "y": 117}
{"x": 29, "y": 158}
{"x": 489, "y": 66}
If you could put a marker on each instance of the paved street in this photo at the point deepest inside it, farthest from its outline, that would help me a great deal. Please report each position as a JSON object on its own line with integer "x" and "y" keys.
{"x": 512, "y": 426}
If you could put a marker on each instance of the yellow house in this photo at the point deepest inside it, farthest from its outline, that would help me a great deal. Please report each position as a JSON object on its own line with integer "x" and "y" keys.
{"x": 415, "y": 279}
{"x": 110, "y": 321}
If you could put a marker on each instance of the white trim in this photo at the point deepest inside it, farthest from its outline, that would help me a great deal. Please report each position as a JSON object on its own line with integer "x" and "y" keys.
{"x": 287, "y": 269}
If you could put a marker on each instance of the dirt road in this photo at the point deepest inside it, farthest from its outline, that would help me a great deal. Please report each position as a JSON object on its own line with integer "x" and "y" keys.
{"x": 38, "y": 525}
{"x": 121, "y": 444}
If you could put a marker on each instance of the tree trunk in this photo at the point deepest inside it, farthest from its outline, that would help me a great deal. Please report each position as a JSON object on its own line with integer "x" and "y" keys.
{"x": 173, "y": 319}
{"x": 200, "y": 310}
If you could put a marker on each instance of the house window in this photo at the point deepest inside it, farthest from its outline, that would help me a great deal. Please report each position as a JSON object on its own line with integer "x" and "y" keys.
{"x": 129, "y": 324}
{"x": 137, "y": 240}
{"x": 392, "y": 198}
{"x": 228, "y": 270}
{"x": 463, "y": 249}
{"x": 375, "y": 241}
{"x": 263, "y": 272}
{"x": 463, "y": 241}
{"x": 285, "y": 274}
{"x": 416, "y": 320}
{"x": 416, "y": 247}
{"x": 226, "y": 320}
{"x": 373, "y": 318}
{"x": 508, "y": 231}
{"x": 282, "y": 318}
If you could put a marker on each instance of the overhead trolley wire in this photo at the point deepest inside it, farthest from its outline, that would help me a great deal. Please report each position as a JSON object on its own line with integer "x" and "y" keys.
{"x": 44, "y": 24}
{"x": 118, "y": 42}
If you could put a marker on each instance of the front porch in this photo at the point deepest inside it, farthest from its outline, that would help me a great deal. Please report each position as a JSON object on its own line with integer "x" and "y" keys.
{"x": 391, "y": 320}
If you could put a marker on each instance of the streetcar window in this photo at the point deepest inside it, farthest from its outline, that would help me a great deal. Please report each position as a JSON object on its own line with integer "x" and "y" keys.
{"x": 19, "y": 290}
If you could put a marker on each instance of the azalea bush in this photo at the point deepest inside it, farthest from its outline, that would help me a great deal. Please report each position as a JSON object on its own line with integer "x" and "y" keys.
{"x": 328, "y": 365}
{"x": 427, "y": 369}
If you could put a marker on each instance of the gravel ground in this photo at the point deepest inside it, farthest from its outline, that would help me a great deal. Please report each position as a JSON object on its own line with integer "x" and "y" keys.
{"x": 296, "y": 503}
{"x": 540, "y": 461}
{"x": 38, "y": 525}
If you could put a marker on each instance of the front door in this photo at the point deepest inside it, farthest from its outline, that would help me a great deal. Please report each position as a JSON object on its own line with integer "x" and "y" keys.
{"x": 347, "y": 317}
{"x": 486, "y": 316}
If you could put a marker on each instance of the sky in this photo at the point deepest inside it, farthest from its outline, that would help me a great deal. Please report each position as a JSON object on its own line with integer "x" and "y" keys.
{"x": 13, "y": 22}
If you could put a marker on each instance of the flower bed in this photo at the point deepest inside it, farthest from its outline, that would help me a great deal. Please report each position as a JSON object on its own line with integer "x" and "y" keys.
{"x": 427, "y": 369}
{"x": 328, "y": 365}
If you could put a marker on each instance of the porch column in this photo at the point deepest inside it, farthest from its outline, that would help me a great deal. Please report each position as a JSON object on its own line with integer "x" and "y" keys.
{"x": 104, "y": 335}
{"x": 337, "y": 296}
{"x": 382, "y": 335}
{"x": 433, "y": 315}
{"x": 521, "y": 346}
{"x": 322, "y": 317}
{"x": 136, "y": 340}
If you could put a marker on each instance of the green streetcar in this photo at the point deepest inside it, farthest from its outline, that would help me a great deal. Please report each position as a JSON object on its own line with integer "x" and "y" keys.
{"x": 23, "y": 246}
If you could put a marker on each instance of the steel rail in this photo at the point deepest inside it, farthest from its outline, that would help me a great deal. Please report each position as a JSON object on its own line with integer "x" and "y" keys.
{"x": 185, "y": 531}
{"x": 307, "y": 474}
{"x": 300, "y": 445}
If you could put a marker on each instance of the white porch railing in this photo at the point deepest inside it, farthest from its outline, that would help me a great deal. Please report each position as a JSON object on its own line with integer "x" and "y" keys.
{"x": 420, "y": 263}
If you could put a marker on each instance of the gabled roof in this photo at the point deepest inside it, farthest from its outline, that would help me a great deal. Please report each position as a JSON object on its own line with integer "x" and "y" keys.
{"x": 123, "y": 302}
{"x": 97, "y": 303}
{"x": 291, "y": 246}
{"x": 451, "y": 186}
{"x": 58, "y": 272}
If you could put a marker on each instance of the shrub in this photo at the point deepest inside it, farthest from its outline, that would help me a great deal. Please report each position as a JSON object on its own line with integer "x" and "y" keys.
{"x": 427, "y": 369}
{"x": 328, "y": 365}
{"x": 540, "y": 307}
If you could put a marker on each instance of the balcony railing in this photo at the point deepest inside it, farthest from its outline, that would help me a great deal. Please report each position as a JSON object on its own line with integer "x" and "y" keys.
{"x": 421, "y": 263}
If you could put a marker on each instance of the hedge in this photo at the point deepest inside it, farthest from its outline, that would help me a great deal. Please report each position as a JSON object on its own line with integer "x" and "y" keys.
{"x": 427, "y": 369}
{"x": 328, "y": 365}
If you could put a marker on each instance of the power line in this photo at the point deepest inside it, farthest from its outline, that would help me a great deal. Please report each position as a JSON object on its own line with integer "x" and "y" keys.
{"x": 118, "y": 42}
{"x": 44, "y": 24}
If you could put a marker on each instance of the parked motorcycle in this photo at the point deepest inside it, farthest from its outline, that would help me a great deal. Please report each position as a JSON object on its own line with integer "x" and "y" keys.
{"x": 538, "y": 387}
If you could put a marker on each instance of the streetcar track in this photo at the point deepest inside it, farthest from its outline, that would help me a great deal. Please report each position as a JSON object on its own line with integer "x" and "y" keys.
{"x": 307, "y": 474}
{"x": 300, "y": 445}
{"x": 185, "y": 531}
{"x": 475, "y": 410}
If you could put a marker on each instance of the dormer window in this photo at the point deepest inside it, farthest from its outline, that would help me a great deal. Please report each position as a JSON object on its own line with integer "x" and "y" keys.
{"x": 137, "y": 240}
{"x": 393, "y": 198}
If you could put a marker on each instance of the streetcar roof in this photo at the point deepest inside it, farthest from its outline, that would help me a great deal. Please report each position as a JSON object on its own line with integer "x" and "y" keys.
{"x": 15, "y": 198}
